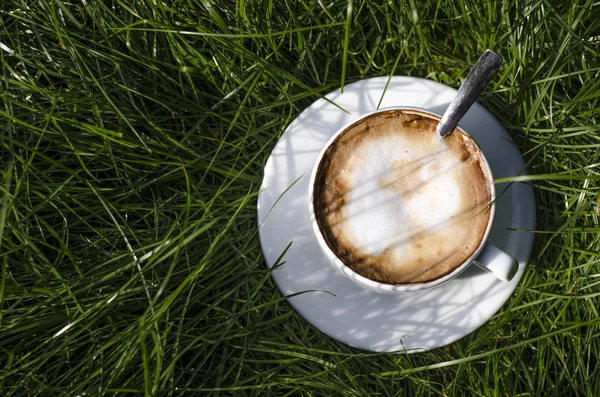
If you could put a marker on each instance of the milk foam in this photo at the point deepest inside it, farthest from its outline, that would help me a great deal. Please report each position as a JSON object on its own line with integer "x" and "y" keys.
{"x": 377, "y": 217}
{"x": 398, "y": 203}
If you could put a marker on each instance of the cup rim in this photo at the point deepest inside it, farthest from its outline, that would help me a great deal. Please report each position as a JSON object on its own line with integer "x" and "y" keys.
{"x": 375, "y": 285}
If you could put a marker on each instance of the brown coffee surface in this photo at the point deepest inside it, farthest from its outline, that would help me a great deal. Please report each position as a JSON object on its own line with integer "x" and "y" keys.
{"x": 397, "y": 203}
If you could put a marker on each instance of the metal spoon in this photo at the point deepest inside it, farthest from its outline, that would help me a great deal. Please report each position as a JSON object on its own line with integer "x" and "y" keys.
{"x": 481, "y": 74}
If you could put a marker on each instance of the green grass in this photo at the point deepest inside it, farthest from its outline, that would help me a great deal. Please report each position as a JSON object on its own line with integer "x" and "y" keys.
{"x": 133, "y": 137}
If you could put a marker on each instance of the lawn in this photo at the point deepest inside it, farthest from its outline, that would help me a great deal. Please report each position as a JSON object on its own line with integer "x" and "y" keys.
{"x": 133, "y": 140}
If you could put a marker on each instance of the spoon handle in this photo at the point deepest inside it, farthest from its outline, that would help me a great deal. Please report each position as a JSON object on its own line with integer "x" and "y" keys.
{"x": 481, "y": 74}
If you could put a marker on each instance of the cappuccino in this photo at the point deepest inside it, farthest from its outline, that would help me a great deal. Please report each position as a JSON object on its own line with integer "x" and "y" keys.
{"x": 399, "y": 204}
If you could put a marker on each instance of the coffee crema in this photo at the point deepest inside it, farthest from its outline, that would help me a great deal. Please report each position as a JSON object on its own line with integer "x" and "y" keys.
{"x": 399, "y": 204}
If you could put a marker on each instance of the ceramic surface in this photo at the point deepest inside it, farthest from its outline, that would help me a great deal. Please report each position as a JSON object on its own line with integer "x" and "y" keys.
{"x": 355, "y": 316}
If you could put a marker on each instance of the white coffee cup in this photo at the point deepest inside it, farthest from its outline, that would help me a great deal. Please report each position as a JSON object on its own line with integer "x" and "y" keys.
{"x": 486, "y": 256}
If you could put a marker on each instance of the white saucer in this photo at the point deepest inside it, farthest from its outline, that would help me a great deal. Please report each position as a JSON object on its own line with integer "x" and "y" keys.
{"x": 361, "y": 318}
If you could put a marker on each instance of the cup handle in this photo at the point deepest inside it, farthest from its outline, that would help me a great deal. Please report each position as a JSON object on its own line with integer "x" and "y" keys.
{"x": 498, "y": 262}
